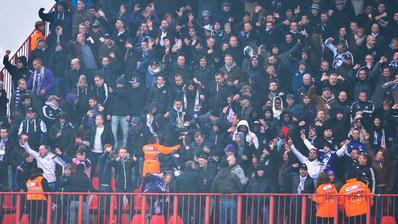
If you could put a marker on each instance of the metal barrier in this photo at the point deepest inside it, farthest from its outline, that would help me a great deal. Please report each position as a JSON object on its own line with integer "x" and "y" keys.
{"x": 23, "y": 50}
{"x": 140, "y": 208}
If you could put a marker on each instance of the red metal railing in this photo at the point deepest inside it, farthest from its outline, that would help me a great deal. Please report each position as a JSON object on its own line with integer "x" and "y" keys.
{"x": 23, "y": 50}
{"x": 137, "y": 208}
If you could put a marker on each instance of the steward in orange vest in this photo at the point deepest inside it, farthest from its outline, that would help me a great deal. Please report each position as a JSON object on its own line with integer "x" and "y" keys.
{"x": 36, "y": 185}
{"x": 151, "y": 152}
{"x": 37, "y": 200}
{"x": 326, "y": 198}
{"x": 355, "y": 198}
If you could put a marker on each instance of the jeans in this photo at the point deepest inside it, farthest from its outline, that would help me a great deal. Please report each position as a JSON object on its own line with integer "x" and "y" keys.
{"x": 137, "y": 172}
{"x": 52, "y": 186}
{"x": 93, "y": 156}
{"x": 10, "y": 178}
{"x": 122, "y": 120}
{"x": 258, "y": 213}
{"x": 355, "y": 219}
{"x": 37, "y": 209}
{"x": 228, "y": 211}
{"x": 379, "y": 203}
{"x": 149, "y": 80}
{"x": 74, "y": 211}
{"x": 104, "y": 200}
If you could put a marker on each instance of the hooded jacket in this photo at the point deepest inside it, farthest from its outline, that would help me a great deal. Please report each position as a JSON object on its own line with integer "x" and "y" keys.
{"x": 249, "y": 135}
{"x": 226, "y": 182}
{"x": 50, "y": 112}
{"x": 276, "y": 112}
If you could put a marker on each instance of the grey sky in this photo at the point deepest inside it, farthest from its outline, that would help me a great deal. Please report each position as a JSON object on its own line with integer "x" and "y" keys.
{"x": 17, "y": 18}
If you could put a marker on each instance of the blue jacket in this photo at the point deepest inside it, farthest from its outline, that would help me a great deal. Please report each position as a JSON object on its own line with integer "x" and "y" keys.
{"x": 47, "y": 81}
{"x": 56, "y": 18}
{"x": 356, "y": 144}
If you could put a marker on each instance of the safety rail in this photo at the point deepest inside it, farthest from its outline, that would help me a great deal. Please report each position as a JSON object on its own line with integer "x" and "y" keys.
{"x": 178, "y": 208}
{"x": 23, "y": 50}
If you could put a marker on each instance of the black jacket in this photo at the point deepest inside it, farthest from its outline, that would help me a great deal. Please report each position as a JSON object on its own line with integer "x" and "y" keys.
{"x": 105, "y": 169}
{"x": 160, "y": 97}
{"x": 102, "y": 95}
{"x": 208, "y": 174}
{"x": 366, "y": 174}
{"x": 106, "y": 137}
{"x": 136, "y": 98}
{"x": 119, "y": 104}
{"x": 124, "y": 174}
{"x": 189, "y": 181}
{"x": 3, "y": 102}
{"x": 65, "y": 140}
{"x": 15, "y": 72}
{"x": 259, "y": 185}
{"x": 309, "y": 186}
{"x": 79, "y": 182}
{"x": 138, "y": 136}
{"x": 226, "y": 182}
{"x": 217, "y": 99}
{"x": 9, "y": 152}
{"x": 22, "y": 175}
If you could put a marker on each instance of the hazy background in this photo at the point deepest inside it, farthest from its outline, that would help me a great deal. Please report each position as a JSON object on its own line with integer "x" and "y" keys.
{"x": 17, "y": 18}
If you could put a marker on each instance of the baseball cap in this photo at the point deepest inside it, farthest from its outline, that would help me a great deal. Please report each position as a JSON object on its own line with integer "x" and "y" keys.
{"x": 135, "y": 79}
{"x": 303, "y": 166}
{"x": 53, "y": 97}
{"x": 30, "y": 109}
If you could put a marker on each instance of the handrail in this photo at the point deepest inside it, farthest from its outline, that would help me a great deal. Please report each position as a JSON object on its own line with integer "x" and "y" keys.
{"x": 197, "y": 194}
{"x": 24, "y": 49}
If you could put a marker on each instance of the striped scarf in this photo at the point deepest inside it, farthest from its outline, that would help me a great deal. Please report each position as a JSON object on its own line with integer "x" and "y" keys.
{"x": 17, "y": 97}
{"x": 37, "y": 81}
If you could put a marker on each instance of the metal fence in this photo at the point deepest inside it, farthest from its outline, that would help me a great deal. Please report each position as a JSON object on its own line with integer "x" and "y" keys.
{"x": 195, "y": 208}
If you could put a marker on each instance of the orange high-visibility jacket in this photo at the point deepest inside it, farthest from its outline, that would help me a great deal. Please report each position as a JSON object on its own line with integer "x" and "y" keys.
{"x": 34, "y": 38}
{"x": 35, "y": 186}
{"x": 151, "y": 162}
{"x": 355, "y": 197}
{"x": 326, "y": 204}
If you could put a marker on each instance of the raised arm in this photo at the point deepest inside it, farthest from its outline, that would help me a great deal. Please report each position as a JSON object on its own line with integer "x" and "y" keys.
{"x": 30, "y": 151}
{"x": 306, "y": 142}
{"x": 298, "y": 154}
{"x": 328, "y": 44}
{"x": 388, "y": 84}
{"x": 342, "y": 150}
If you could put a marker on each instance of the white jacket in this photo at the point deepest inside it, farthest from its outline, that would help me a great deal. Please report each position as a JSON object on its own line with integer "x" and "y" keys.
{"x": 46, "y": 163}
{"x": 315, "y": 167}
{"x": 249, "y": 134}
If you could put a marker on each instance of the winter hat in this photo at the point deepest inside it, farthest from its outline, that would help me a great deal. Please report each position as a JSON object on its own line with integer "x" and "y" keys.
{"x": 68, "y": 167}
{"x": 203, "y": 156}
{"x": 230, "y": 148}
{"x": 80, "y": 168}
{"x": 206, "y": 13}
{"x": 70, "y": 98}
{"x": 120, "y": 80}
{"x": 315, "y": 6}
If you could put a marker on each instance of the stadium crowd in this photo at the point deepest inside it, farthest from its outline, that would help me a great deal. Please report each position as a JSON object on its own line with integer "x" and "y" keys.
{"x": 205, "y": 96}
